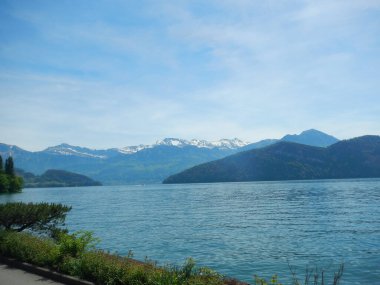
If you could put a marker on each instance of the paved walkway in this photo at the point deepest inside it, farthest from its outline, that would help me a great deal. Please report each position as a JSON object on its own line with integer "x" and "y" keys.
{"x": 14, "y": 276}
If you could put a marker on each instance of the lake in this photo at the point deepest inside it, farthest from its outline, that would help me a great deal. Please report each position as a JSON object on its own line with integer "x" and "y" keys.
{"x": 238, "y": 229}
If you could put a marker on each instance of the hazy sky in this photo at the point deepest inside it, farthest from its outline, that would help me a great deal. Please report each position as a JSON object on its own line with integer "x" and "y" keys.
{"x": 115, "y": 73}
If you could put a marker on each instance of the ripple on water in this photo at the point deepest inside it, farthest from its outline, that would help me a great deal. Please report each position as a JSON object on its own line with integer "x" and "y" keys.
{"x": 238, "y": 229}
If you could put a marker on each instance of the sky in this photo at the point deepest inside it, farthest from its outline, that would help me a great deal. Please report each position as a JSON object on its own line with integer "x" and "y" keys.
{"x": 105, "y": 74}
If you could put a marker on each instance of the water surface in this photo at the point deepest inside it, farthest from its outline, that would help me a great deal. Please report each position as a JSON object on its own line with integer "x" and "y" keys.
{"x": 238, "y": 229}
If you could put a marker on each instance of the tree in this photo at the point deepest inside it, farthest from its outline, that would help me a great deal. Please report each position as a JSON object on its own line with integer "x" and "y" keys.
{"x": 9, "y": 167}
{"x": 43, "y": 218}
{"x": 4, "y": 183}
{"x": 15, "y": 184}
{"x": 9, "y": 182}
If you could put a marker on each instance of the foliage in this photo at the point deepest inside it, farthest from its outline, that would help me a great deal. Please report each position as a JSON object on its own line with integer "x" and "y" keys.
{"x": 9, "y": 182}
{"x": 74, "y": 254}
{"x": 15, "y": 184}
{"x": 4, "y": 183}
{"x": 41, "y": 217}
{"x": 76, "y": 244}
{"x": 262, "y": 281}
{"x": 9, "y": 166}
{"x": 27, "y": 248}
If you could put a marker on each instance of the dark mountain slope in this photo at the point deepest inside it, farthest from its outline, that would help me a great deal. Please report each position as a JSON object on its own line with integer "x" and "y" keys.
{"x": 56, "y": 178}
{"x": 359, "y": 157}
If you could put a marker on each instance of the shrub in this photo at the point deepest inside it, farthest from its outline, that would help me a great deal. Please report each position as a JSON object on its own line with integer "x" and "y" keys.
{"x": 75, "y": 255}
{"x": 76, "y": 244}
{"x": 41, "y": 217}
{"x": 27, "y": 248}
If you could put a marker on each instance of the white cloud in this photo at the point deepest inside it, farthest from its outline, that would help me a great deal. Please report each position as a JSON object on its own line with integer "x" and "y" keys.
{"x": 248, "y": 69}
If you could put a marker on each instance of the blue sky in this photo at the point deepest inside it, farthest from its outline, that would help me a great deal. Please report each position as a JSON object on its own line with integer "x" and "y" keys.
{"x": 115, "y": 73}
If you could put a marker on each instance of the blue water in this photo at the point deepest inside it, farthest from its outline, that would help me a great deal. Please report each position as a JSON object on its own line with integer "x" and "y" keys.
{"x": 238, "y": 229}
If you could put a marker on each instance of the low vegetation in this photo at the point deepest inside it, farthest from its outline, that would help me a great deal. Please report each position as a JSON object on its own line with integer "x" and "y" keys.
{"x": 33, "y": 233}
{"x": 9, "y": 181}
{"x": 75, "y": 255}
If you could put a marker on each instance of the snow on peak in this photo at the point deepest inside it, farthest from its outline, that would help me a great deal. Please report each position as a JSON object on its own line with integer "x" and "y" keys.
{"x": 133, "y": 149}
{"x": 66, "y": 149}
{"x": 175, "y": 142}
{"x": 230, "y": 143}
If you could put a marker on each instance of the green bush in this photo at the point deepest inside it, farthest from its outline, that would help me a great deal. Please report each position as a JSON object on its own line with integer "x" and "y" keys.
{"x": 75, "y": 255}
{"x": 76, "y": 244}
{"x": 27, "y": 248}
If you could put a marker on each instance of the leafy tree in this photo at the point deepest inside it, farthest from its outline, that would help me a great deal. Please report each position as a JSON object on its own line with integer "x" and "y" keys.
{"x": 15, "y": 184}
{"x": 9, "y": 167}
{"x": 4, "y": 183}
{"x": 43, "y": 218}
{"x": 9, "y": 182}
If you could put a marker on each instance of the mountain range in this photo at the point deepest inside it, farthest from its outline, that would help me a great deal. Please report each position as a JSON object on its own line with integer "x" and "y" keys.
{"x": 143, "y": 163}
{"x": 284, "y": 160}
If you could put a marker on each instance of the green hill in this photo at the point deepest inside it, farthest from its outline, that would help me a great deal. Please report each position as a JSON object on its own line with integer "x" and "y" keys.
{"x": 56, "y": 178}
{"x": 355, "y": 158}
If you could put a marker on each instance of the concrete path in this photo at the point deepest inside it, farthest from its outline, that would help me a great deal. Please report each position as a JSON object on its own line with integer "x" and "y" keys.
{"x": 14, "y": 276}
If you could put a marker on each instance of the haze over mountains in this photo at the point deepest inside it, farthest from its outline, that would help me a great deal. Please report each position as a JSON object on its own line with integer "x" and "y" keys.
{"x": 143, "y": 163}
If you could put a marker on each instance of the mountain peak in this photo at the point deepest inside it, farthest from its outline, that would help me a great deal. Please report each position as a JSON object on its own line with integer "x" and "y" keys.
{"x": 312, "y": 131}
{"x": 222, "y": 143}
{"x": 312, "y": 137}
{"x": 172, "y": 142}
{"x": 176, "y": 142}
{"x": 354, "y": 158}
{"x": 66, "y": 149}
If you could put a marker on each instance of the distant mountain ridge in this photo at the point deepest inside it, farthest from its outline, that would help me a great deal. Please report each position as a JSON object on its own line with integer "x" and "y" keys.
{"x": 66, "y": 149}
{"x": 132, "y": 164}
{"x": 56, "y": 178}
{"x": 311, "y": 137}
{"x": 354, "y": 158}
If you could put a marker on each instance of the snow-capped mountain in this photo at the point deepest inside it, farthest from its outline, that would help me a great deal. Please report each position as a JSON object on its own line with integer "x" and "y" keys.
{"x": 133, "y": 149}
{"x": 66, "y": 149}
{"x": 220, "y": 144}
{"x": 137, "y": 164}
{"x": 70, "y": 150}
